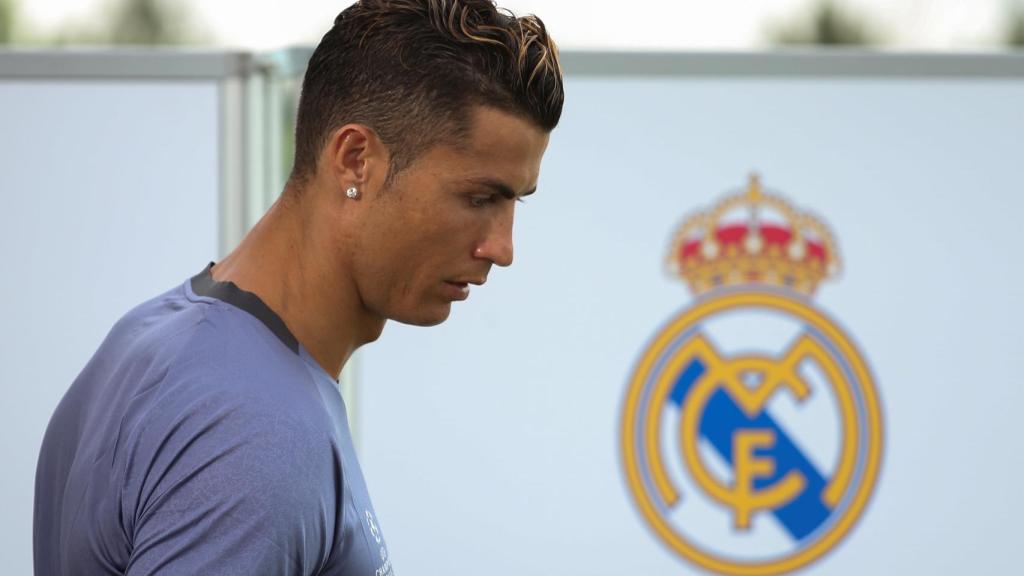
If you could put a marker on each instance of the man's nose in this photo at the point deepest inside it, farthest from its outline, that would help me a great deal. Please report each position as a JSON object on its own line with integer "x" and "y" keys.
{"x": 497, "y": 244}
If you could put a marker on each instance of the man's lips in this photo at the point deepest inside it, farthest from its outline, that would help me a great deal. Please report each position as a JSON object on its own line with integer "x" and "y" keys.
{"x": 459, "y": 289}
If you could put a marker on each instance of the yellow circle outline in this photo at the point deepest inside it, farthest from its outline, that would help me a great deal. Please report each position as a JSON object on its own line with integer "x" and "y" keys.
{"x": 874, "y": 425}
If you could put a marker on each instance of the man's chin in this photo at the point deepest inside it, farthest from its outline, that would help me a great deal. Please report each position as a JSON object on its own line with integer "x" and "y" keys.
{"x": 425, "y": 317}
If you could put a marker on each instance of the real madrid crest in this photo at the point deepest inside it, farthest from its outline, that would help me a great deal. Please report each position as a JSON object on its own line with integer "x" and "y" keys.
{"x": 751, "y": 429}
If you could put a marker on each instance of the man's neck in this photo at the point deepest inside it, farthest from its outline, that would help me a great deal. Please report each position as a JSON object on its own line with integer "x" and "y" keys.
{"x": 304, "y": 285}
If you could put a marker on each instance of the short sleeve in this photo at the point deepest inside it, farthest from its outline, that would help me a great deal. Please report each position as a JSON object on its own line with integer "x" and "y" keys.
{"x": 229, "y": 487}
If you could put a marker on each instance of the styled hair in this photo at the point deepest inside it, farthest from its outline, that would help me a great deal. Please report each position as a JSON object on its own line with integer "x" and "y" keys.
{"x": 412, "y": 70}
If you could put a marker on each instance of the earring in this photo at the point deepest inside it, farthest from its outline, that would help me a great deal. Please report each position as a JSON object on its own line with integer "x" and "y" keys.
{"x": 352, "y": 193}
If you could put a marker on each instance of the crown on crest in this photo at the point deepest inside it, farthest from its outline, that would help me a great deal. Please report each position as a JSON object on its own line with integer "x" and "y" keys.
{"x": 770, "y": 243}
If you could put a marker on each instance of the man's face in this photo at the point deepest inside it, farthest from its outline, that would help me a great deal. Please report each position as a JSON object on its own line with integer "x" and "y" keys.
{"x": 446, "y": 219}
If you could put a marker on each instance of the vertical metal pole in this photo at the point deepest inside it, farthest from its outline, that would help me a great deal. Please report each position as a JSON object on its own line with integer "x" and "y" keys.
{"x": 232, "y": 164}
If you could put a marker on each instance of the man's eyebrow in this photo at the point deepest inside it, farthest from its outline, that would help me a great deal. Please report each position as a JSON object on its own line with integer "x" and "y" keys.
{"x": 501, "y": 188}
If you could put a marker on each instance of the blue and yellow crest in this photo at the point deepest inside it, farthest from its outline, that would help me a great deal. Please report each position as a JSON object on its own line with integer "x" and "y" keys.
{"x": 751, "y": 429}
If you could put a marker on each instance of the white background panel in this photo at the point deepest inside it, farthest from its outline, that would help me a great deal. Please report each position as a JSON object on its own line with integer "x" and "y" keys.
{"x": 491, "y": 443}
{"x": 110, "y": 197}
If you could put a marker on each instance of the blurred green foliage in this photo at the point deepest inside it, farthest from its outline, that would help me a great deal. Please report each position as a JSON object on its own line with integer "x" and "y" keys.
{"x": 138, "y": 22}
{"x": 8, "y": 19}
{"x": 1015, "y": 26}
{"x": 151, "y": 22}
{"x": 828, "y": 24}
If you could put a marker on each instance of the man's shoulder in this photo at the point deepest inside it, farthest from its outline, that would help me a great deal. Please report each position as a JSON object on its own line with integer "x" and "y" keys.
{"x": 196, "y": 376}
{"x": 193, "y": 363}
{"x": 234, "y": 356}
{"x": 218, "y": 370}
{"x": 218, "y": 452}
{"x": 215, "y": 404}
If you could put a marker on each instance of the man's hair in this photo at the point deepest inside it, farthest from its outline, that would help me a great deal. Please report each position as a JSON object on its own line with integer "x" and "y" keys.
{"x": 412, "y": 71}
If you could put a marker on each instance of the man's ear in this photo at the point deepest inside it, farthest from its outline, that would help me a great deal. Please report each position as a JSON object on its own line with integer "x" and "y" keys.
{"x": 355, "y": 156}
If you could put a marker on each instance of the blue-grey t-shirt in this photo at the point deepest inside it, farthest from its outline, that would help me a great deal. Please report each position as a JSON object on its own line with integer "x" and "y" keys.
{"x": 202, "y": 438}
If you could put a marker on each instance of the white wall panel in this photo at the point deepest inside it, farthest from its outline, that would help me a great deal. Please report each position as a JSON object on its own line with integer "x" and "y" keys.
{"x": 110, "y": 195}
{"x": 492, "y": 446}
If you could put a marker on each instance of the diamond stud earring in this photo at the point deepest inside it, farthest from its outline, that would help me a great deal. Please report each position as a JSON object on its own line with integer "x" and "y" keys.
{"x": 352, "y": 193}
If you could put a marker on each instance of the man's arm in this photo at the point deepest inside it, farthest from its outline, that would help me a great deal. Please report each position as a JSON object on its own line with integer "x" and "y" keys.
{"x": 230, "y": 490}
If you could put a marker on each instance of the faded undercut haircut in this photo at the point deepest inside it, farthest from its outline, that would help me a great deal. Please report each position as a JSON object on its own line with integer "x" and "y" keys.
{"x": 412, "y": 70}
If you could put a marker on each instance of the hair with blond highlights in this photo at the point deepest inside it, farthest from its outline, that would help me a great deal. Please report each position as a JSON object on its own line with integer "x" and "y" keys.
{"x": 411, "y": 70}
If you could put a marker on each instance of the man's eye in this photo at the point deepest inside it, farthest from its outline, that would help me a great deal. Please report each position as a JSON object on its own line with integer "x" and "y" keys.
{"x": 481, "y": 201}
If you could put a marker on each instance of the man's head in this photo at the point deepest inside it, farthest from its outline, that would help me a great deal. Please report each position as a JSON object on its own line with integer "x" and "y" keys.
{"x": 438, "y": 112}
{"x": 413, "y": 69}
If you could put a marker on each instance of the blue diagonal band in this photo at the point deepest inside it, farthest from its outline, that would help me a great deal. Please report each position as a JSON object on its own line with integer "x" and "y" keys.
{"x": 722, "y": 418}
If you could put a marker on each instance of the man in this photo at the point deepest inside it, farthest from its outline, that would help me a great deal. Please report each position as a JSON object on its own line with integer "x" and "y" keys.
{"x": 207, "y": 435}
